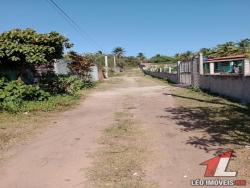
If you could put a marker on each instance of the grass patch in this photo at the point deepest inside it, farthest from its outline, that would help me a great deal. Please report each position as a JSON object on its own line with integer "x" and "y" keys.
{"x": 120, "y": 162}
{"x": 53, "y": 103}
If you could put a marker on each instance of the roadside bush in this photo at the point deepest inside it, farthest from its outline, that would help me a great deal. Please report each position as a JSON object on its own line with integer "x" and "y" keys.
{"x": 61, "y": 84}
{"x": 88, "y": 84}
{"x": 15, "y": 96}
{"x": 14, "y": 93}
{"x": 70, "y": 85}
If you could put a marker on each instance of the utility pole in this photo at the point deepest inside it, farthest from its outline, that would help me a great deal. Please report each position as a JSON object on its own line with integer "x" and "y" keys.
{"x": 106, "y": 66}
{"x": 114, "y": 63}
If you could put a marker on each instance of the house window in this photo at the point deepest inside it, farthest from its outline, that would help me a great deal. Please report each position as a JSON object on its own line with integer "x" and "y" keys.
{"x": 206, "y": 68}
{"x": 228, "y": 66}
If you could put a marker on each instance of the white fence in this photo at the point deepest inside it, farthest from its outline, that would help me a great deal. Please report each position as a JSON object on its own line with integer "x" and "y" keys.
{"x": 191, "y": 73}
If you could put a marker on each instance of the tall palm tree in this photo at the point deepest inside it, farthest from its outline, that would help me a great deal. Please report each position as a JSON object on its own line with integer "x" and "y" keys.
{"x": 99, "y": 52}
{"x": 141, "y": 57}
{"x": 184, "y": 56}
{"x": 244, "y": 46}
{"x": 206, "y": 52}
{"x": 119, "y": 52}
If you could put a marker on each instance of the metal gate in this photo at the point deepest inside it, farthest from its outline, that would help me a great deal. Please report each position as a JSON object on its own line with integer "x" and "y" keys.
{"x": 189, "y": 72}
{"x": 185, "y": 73}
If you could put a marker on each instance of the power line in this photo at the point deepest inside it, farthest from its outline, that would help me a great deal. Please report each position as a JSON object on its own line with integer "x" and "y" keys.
{"x": 73, "y": 23}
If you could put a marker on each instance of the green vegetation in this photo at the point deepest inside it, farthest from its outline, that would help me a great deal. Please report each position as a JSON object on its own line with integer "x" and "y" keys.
{"x": 228, "y": 48}
{"x": 29, "y": 47}
{"x": 119, "y": 52}
{"x": 183, "y": 56}
{"x": 81, "y": 65}
{"x": 58, "y": 103}
{"x": 15, "y": 96}
{"x": 161, "y": 59}
{"x": 131, "y": 61}
{"x": 14, "y": 93}
{"x": 22, "y": 50}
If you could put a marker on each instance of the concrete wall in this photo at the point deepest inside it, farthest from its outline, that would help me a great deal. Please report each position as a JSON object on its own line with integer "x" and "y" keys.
{"x": 163, "y": 75}
{"x": 236, "y": 87}
{"x": 185, "y": 78}
{"x": 94, "y": 73}
{"x": 61, "y": 67}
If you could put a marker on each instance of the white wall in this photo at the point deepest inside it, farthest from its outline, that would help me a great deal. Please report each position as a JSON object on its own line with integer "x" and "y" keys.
{"x": 236, "y": 87}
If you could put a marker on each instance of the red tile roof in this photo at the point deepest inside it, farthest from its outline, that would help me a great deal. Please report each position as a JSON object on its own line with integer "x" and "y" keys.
{"x": 228, "y": 58}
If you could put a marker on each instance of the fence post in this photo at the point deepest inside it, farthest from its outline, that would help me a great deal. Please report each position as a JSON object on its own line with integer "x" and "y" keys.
{"x": 246, "y": 68}
{"x": 201, "y": 64}
{"x": 195, "y": 72}
{"x": 114, "y": 64}
{"x": 106, "y": 66}
{"x": 178, "y": 72}
{"x": 211, "y": 68}
{"x": 169, "y": 70}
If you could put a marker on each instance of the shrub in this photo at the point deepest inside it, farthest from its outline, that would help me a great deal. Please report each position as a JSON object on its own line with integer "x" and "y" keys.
{"x": 88, "y": 84}
{"x": 16, "y": 96}
{"x": 61, "y": 84}
{"x": 14, "y": 93}
{"x": 80, "y": 65}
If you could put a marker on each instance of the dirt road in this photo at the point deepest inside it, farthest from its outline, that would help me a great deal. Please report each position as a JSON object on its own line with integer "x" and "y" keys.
{"x": 60, "y": 155}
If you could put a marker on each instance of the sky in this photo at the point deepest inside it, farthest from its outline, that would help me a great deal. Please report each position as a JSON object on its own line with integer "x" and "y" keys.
{"x": 150, "y": 26}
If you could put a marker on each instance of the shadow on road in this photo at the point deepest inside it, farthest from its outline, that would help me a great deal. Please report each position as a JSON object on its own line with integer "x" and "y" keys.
{"x": 225, "y": 123}
{"x": 212, "y": 101}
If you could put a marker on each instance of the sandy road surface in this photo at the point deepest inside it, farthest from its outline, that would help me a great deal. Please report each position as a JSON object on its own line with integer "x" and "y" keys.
{"x": 57, "y": 157}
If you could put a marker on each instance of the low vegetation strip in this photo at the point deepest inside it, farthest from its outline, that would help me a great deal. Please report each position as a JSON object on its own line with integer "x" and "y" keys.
{"x": 120, "y": 162}
{"x": 23, "y": 108}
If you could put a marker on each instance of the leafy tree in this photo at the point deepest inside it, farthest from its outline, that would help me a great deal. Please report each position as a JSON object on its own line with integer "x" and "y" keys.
{"x": 206, "y": 52}
{"x": 29, "y": 47}
{"x": 99, "y": 52}
{"x": 244, "y": 46}
{"x": 184, "y": 56}
{"x": 161, "y": 59}
{"x": 81, "y": 65}
{"x": 228, "y": 48}
{"x": 131, "y": 61}
{"x": 21, "y": 50}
